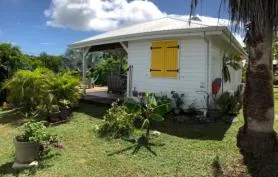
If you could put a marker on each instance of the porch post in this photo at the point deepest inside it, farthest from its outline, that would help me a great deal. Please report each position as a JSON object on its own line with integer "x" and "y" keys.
{"x": 85, "y": 51}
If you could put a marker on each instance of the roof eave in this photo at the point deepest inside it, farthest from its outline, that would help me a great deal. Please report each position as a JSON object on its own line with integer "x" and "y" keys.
{"x": 150, "y": 35}
{"x": 229, "y": 37}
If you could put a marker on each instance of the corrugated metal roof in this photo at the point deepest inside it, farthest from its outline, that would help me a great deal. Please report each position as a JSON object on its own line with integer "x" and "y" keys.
{"x": 158, "y": 25}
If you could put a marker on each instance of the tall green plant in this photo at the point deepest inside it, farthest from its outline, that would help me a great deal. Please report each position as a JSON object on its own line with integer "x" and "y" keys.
{"x": 30, "y": 89}
{"x": 41, "y": 89}
{"x": 116, "y": 123}
{"x": 149, "y": 110}
{"x": 65, "y": 87}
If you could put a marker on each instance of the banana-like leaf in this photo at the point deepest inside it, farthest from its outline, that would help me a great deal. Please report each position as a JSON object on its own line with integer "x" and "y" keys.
{"x": 163, "y": 109}
{"x": 145, "y": 124}
{"x": 150, "y": 101}
{"x": 132, "y": 108}
{"x": 226, "y": 74}
{"x": 157, "y": 117}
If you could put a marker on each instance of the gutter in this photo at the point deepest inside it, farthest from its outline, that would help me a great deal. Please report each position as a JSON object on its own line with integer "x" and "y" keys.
{"x": 229, "y": 37}
{"x": 213, "y": 30}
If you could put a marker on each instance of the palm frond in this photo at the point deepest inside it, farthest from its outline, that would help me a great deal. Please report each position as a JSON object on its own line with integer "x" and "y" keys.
{"x": 226, "y": 74}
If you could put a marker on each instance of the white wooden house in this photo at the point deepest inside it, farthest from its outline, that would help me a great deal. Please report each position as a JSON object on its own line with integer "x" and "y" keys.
{"x": 170, "y": 54}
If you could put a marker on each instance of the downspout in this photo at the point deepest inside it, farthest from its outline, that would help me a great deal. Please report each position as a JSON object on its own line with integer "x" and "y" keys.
{"x": 208, "y": 69}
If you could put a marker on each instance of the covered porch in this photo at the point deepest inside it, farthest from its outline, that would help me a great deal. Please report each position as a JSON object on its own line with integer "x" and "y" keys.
{"x": 116, "y": 86}
{"x": 100, "y": 94}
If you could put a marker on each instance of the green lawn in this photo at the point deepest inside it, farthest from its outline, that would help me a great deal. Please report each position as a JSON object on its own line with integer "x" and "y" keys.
{"x": 276, "y": 99}
{"x": 182, "y": 150}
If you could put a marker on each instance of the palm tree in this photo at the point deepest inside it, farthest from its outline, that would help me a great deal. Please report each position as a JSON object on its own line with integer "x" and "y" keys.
{"x": 9, "y": 62}
{"x": 260, "y": 18}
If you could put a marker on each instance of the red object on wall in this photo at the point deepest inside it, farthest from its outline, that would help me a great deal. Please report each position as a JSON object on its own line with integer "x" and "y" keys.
{"x": 216, "y": 85}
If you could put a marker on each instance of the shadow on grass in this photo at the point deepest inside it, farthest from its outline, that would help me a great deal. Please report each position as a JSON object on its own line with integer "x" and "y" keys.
{"x": 263, "y": 167}
{"x": 137, "y": 145}
{"x": 217, "y": 170}
{"x": 12, "y": 117}
{"x": 92, "y": 109}
{"x": 193, "y": 130}
{"x": 246, "y": 166}
{"x": 6, "y": 169}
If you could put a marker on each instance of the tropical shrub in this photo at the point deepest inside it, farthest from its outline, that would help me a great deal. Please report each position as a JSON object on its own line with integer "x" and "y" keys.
{"x": 229, "y": 103}
{"x": 40, "y": 89}
{"x": 116, "y": 123}
{"x": 30, "y": 89}
{"x": 64, "y": 87}
{"x": 149, "y": 110}
{"x": 162, "y": 99}
{"x": 178, "y": 98}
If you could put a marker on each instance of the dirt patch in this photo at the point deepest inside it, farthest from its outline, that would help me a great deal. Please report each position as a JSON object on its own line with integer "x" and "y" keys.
{"x": 236, "y": 169}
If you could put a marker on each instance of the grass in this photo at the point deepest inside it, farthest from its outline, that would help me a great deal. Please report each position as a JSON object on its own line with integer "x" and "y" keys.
{"x": 185, "y": 150}
{"x": 275, "y": 90}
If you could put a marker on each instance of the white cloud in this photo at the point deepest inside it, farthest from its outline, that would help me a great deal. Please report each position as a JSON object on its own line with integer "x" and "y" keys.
{"x": 104, "y": 15}
{"x": 100, "y": 15}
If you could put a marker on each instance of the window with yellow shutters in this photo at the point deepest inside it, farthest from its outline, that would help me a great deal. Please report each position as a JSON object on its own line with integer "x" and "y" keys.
{"x": 164, "y": 60}
{"x": 157, "y": 61}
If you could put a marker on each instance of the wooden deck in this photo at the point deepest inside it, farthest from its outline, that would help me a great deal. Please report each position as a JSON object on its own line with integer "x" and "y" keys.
{"x": 100, "y": 95}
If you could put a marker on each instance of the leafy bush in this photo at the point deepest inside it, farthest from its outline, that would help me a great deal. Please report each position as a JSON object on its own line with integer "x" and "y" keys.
{"x": 178, "y": 98}
{"x": 117, "y": 123}
{"x": 30, "y": 89}
{"x": 163, "y": 99}
{"x": 229, "y": 103}
{"x": 149, "y": 110}
{"x": 36, "y": 132}
{"x": 40, "y": 89}
{"x": 65, "y": 87}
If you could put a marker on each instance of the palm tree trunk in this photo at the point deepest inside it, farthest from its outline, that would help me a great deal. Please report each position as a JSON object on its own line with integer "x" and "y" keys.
{"x": 257, "y": 137}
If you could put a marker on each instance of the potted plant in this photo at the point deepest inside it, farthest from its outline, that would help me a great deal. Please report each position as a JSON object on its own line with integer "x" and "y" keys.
{"x": 28, "y": 144}
{"x": 65, "y": 109}
{"x": 178, "y": 99}
{"x": 54, "y": 113}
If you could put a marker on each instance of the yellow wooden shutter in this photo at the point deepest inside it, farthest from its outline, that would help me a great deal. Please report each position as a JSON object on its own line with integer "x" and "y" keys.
{"x": 171, "y": 59}
{"x": 157, "y": 60}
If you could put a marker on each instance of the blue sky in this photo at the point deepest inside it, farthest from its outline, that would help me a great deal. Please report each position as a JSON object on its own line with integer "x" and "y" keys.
{"x": 50, "y": 25}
